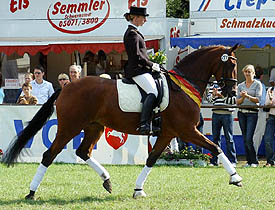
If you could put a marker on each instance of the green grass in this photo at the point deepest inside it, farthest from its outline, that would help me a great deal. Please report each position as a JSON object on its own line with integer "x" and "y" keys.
{"x": 68, "y": 186}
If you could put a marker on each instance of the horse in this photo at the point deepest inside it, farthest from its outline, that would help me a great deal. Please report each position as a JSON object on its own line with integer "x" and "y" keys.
{"x": 91, "y": 103}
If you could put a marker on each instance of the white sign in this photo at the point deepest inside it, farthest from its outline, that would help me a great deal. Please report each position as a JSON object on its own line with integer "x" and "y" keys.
{"x": 70, "y": 17}
{"x": 12, "y": 83}
{"x": 112, "y": 148}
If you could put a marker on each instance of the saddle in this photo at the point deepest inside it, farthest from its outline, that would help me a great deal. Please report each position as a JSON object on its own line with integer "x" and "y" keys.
{"x": 159, "y": 83}
{"x": 131, "y": 97}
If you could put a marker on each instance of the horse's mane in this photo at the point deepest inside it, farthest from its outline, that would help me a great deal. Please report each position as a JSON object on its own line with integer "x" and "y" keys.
{"x": 189, "y": 59}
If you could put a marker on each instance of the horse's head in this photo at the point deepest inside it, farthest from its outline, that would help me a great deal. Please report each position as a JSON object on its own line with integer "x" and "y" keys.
{"x": 226, "y": 73}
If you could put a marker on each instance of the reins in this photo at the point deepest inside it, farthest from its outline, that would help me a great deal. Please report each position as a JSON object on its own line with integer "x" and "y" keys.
{"x": 224, "y": 58}
{"x": 167, "y": 72}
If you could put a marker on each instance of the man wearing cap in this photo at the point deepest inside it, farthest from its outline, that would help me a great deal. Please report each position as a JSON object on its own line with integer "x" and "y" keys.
{"x": 139, "y": 67}
{"x": 63, "y": 79}
{"x": 41, "y": 88}
{"x": 74, "y": 72}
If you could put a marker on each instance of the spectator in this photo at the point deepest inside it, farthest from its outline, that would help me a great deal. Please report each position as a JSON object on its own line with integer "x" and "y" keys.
{"x": 41, "y": 88}
{"x": 272, "y": 76}
{"x": 100, "y": 59}
{"x": 249, "y": 93}
{"x": 222, "y": 118}
{"x": 63, "y": 79}
{"x": 74, "y": 72}
{"x": 260, "y": 127}
{"x": 28, "y": 78}
{"x": 2, "y": 95}
{"x": 270, "y": 129}
{"x": 27, "y": 98}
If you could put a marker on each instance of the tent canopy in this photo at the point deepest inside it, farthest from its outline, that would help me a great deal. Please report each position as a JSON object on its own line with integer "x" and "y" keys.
{"x": 57, "y": 45}
{"x": 227, "y": 40}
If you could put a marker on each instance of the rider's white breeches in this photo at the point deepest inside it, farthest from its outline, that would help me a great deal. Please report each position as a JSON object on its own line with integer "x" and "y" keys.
{"x": 147, "y": 83}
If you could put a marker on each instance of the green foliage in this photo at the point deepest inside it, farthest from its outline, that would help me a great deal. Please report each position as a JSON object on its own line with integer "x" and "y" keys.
{"x": 177, "y": 8}
{"x": 159, "y": 57}
{"x": 187, "y": 153}
{"x": 77, "y": 186}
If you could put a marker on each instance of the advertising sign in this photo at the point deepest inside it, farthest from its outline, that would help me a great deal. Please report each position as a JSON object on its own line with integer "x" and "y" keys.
{"x": 34, "y": 18}
{"x": 246, "y": 24}
{"x": 231, "y": 5}
{"x": 113, "y": 147}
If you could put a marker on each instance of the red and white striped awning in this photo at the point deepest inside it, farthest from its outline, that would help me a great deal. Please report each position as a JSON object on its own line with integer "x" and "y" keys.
{"x": 82, "y": 44}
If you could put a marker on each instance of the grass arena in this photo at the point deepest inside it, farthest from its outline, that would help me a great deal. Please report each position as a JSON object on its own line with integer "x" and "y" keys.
{"x": 76, "y": 186}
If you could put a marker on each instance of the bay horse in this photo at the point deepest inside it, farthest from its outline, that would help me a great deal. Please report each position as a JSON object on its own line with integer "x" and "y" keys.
{"x": 91, "y": 103}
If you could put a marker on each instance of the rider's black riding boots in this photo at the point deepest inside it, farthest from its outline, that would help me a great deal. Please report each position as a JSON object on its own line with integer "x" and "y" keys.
{"x": 146, "y": 115}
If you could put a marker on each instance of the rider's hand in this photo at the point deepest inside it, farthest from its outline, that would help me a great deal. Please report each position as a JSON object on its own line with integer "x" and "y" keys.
{"x": 156, "y": 67}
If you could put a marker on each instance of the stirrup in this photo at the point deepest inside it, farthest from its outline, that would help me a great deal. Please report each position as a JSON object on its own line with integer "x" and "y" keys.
{"x": 144, "y": 129}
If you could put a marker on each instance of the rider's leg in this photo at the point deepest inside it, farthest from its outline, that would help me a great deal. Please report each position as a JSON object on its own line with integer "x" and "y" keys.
{"x": 147, "y": 83}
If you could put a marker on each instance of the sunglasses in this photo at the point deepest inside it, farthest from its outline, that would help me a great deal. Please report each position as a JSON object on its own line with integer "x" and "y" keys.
{"x": 37, "y": 72}
{"x": 62, "y": 79}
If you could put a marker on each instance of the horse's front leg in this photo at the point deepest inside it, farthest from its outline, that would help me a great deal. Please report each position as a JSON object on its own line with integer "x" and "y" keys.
{"x": 195, "y": 137}
{"x": 158, "y": 148}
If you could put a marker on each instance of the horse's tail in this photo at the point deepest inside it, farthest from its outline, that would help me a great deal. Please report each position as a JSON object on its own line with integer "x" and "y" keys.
{"x": 37, "y": 122}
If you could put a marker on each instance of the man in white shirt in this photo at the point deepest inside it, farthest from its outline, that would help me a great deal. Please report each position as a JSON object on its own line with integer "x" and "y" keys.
{"x": 41, "y": 88}
{"x": 74, "y": 72}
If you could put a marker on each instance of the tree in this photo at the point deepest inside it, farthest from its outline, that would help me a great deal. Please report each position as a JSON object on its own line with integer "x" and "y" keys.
{"x": 177, "y": 8}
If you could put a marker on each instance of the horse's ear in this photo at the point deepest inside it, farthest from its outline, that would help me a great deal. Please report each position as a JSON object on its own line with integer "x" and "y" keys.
{"x": 236, "y": 46}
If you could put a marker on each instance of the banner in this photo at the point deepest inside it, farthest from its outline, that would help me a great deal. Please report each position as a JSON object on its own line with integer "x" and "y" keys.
{"x": 40, "y": 18}
{"x": 231, "y": 5}
{"x": 112, "y": 148}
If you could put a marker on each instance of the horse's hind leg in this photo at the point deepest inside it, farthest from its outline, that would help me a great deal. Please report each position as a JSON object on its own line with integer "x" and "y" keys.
{"x": 195, "y": 137}
{"x": 93, "y": 133}
{"x": 158, "y": 148}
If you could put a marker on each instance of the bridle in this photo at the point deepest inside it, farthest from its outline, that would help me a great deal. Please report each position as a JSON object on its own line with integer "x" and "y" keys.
{"x": 222, "y": 82}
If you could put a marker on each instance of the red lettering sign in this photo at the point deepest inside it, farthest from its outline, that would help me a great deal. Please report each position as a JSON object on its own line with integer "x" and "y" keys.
{"x": 174, "y": 32}
{"x": 137, "y": 3}
{"x": 77, "y": 18}
{"x": 18, "y": 5}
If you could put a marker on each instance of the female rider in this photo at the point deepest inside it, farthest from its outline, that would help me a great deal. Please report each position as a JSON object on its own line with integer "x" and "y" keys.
{"x": 139, "y": 67}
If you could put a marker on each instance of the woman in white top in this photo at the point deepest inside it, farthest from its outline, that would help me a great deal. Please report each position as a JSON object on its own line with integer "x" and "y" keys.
{"x": 249, "y": 93}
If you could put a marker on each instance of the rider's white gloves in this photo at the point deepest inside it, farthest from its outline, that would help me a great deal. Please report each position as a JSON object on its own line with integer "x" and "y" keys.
{"x": 156, "y": 67}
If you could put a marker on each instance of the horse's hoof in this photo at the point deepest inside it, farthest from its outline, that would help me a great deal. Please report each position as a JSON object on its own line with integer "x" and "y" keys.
{"x": 139, "y": 193}
{"x": 107, "y": 185}
{"x": 235, "y": 179}
{"x": 29, "y": 197}
{"x": 238, "y": 184}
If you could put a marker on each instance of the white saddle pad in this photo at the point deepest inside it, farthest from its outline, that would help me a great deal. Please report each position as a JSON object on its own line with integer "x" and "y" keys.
{"x": 129, "y": 97}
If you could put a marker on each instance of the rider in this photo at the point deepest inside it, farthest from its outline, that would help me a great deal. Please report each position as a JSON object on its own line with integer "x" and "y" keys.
{"x": 139, "y": 67}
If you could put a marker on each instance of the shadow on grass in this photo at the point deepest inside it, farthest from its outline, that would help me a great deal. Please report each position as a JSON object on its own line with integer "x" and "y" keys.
{"x": 39, "y": 201}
